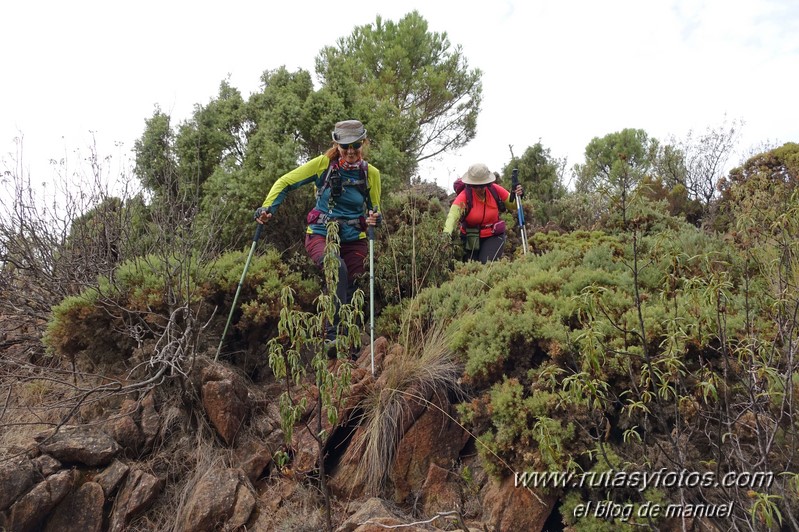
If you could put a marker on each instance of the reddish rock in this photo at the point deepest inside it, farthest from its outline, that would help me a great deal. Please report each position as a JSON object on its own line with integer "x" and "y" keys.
{"x": 85, "y": 445}
{"x": 306, "y": 448}
{"x": 124, "y": 429}
{"x": 509, "y": 509}
{"x": 225, "y": 400}
{"x": 253, "y": 458}
{"x": 80, "y": 511}
{"x": 16, "y": 478}
{"x": 46, "y": 465}
{"x": 373, "y": 510}
{"x": 376, "y": 515}
{"x": 441, "y": 491}
{"x": 435, "y": 438}
{"x": 30, "y": 511}
{"x": 361, "y": 384}
{"x": 347, "y": 480}
{"x": 138, "y": 493}
{"x": 110, "y": 478}
{"x": 219, "y": 499}
{"x": 150, "y": 421}
{"x": 365, "y": 357}
{"x": 242, "y": 508}
{"x": 395, "y": 351}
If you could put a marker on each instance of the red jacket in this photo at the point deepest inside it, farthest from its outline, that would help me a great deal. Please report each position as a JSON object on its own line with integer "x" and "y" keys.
{"x": 484, "y": 212}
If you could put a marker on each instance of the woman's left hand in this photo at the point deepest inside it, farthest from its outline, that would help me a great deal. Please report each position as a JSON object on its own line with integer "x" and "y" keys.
{"x": 518, "y": 191}
{"x": 373, "y": 218}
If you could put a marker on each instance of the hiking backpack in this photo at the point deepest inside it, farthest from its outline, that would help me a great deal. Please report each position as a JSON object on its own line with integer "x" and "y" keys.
{"x": 459, "y": 186}
{"x": 332, "y": 180}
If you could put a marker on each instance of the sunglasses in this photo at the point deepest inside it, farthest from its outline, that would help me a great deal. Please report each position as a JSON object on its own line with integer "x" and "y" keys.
{"x": 354, "y": 146}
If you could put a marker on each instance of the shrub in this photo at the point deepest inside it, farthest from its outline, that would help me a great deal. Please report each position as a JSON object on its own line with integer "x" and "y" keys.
{"x": 597, "y": 338}
{"x": 106, "y": 323}
{"x": 410, "y": 254}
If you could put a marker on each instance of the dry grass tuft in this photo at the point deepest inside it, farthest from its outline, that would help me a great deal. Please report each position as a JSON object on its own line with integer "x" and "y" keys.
{"x": 425, "y": 367}
{"x": 288, "y": 506}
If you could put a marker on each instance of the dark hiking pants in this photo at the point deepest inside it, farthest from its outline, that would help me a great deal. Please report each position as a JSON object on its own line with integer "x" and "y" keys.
{"x": 491, "y": 249}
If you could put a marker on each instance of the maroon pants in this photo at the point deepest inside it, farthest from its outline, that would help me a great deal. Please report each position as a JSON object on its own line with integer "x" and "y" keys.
{"x": 350, "y": 265}
{"x": 352, "y": 254}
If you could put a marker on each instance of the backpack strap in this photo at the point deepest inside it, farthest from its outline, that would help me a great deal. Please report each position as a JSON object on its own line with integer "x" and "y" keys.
{"x": 364, "y": 186}
{"x": 470, "y": 200}
{"x": 494, "y": 192}
{"x": 324, "y": 183}
{"x": 362, "y": 183}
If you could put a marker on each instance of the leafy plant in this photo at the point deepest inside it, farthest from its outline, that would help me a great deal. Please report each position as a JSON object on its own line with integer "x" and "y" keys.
{"x": 302, "y": 334}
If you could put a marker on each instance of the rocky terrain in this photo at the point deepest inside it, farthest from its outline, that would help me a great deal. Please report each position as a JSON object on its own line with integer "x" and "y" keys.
{"x": 204, "y": 461}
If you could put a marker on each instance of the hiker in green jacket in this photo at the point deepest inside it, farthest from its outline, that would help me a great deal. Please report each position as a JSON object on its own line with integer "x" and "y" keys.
{"x": 476, "y": 208}
{"x": 348, "y": 192}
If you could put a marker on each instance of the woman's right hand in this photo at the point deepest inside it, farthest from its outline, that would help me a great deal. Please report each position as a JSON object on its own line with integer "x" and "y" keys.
{"x": 262, "y": 215}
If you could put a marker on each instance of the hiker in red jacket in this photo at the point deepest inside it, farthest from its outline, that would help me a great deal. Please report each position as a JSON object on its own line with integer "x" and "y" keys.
{"x": 477, "y": 208}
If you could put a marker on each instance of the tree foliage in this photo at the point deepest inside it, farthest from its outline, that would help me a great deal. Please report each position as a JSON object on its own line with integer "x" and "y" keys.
{"x": 414, "y": 90}
{"x": 615, "y": 164}
{"x": 156, "y": 165}
{"x": 759, "y": 191}
{"x": 541, "y": 178}
{"x": 216, "y": 136}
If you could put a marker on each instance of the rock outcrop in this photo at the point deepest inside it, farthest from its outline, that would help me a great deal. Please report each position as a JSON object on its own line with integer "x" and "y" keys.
{"x": 81, "y": 510}
{"x": 221, "y": 500}
{"x": 510, "y": 508}
{"x": 305, "y": 445}
{"x": 434, "y": 439}
{"x": 137, "y": 493}
{"x": 225, "y": 400}
{"x": 31, "y": 510}
{"x": 77, "y": 444}
{"x": 376, "y": 515}
{"x": 89, "y": 478}
{"x": 68, "y": 485}
{"x": 16, "y": 478}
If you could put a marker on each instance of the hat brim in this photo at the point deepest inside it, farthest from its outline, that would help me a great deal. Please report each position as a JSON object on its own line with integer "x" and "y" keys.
{"x": 348, "y": 139}
{"x": 490, "y": 178}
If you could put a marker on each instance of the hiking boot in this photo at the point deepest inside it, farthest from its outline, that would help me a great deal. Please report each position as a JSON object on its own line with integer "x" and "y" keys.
{"x": 331, "y": 348}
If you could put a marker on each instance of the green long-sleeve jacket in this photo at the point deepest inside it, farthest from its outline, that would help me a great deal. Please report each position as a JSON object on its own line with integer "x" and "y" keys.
{"x": 349, "y": 207}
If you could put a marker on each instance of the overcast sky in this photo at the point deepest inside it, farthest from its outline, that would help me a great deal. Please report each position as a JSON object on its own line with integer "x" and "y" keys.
{"x": 559, "y": 71}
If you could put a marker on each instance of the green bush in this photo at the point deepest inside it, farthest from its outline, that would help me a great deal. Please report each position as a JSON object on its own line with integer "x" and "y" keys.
{"x": 80, "y": 325}
{"x": 106, "y": 323}
{"x": 410, "y": 252}
{"x": 556, "y": 336}
{"x": 260, "y": 292}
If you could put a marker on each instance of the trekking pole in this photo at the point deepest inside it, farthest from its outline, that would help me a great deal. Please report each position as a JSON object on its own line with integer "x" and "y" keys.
{"x": 519, "y": 211}
{"x": 238, "y": 290}
{"x": 371, "y": 232}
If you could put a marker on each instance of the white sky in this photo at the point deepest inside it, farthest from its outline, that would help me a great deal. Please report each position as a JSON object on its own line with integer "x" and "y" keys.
{"x": 559, "y": 71}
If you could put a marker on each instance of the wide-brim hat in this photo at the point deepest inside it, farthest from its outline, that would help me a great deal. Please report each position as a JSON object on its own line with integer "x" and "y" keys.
{"x": 349, "y": 131}
{"x": 478, "y": 174}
